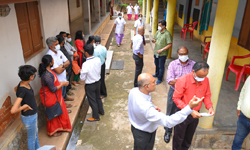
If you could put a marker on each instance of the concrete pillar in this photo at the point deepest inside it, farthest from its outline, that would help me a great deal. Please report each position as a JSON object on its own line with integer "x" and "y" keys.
{"x": 86, "y": 16}
{"x": 220, "y": 43}
{"x": 97, "y": 10}
{"x": 143, "y": 8}
{"x": 149, "y": 2}
{"x": 155, "y": 17}
{"x": 104, "y": 9}
{"x": 170, "y": 20}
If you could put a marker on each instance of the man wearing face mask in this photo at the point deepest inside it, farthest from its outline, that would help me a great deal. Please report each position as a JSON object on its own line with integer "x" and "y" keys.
{"x": 163, "y": 41}
{"x": 193, "y": 84}
{"x": 139, "y": 23}
{"x": 60, "y": 61}
{"x": 177, "y": 68}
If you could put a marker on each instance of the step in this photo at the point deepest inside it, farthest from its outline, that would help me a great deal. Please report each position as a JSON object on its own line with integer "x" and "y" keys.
{"x": 108, "y": 61}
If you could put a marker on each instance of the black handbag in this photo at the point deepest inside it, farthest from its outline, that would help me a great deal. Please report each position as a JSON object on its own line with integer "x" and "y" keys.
{"x": 54, "y": 111}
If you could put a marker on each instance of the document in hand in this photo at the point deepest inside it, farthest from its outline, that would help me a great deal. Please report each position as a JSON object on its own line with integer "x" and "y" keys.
{"x": 205, "y": 114}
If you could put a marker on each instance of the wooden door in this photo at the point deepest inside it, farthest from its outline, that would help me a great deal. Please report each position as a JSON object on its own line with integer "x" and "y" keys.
{"x": 35, "y": 25}
{"x": 244, "y": 37}
{"x": 189, "y": 11}
{"x": 24, "y": 28}
{"x": 29, "y": 27}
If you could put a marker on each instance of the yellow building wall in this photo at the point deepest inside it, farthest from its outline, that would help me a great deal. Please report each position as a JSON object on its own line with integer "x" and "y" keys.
{"x": 234, "y": 50}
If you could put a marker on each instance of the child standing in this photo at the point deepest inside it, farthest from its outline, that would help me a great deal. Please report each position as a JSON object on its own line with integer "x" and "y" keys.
{"x": 28, "y": 109}
{"x": 76, "y": 69}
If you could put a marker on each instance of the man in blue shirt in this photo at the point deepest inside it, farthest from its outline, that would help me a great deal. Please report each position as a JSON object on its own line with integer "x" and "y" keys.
{"x": 100, "y": 51}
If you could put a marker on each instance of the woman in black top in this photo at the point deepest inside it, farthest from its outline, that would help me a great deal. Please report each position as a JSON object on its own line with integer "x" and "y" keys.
{"x": 28, "y": 109}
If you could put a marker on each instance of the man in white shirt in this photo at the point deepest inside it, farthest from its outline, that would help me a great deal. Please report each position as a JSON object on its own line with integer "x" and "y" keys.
{"x": 243, "y": 113}
{"x": 90, "y": 72}
{"x": 60, "y": 63}
{"x": 129, "y": 11}
{"x": 136, "y": 8}
{"x": 145, "y": 117}
{"x": 138, "y": 51}
{"x": 119, "y": 29}
{"x": 139, "y": 23}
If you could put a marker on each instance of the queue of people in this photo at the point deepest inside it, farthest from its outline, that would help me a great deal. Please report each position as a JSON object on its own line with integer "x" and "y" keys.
{"x": 55, "y": 70}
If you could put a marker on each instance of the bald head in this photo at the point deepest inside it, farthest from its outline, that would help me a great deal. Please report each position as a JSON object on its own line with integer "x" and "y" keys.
{"x": 141, "y": 30}
{"x": 144, "y": 78}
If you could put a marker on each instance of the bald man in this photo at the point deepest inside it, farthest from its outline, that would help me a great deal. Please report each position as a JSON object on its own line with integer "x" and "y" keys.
{"x": 145, "y": 117}
{"x": 138, "y": 51}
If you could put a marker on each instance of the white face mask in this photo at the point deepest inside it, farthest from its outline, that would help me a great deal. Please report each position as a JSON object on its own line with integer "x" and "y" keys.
{"x": 57, "y": 47}
{"x": 69, "y": 39}
{"x": 94, "y": 45}
{"x": 159, "y": 28}
{"x": 183, "y": 58}
{"x": 199, "y": 79}
{"x": 83, "y": 36}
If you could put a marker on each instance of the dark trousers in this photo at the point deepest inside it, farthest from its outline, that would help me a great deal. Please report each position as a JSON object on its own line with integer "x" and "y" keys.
{"x": 160, "y": 66}
{"x": 103, "y": 86}
{"x": 93, "y": 95}
{"x": 138, "y": 68}
{"x": 183, "y": 133}
{"x": 171, "y": 107}
{"x": 68, "y": 78}
{"x": 143, "y": 140}
{"x": 243, "y": 129}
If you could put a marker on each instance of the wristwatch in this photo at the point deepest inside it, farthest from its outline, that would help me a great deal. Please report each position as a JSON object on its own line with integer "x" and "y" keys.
{"x": 161, "y": 50}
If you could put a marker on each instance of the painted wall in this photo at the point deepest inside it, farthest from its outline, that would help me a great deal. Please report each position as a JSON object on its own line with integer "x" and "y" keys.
{"x": 11, "y": 53}
{"x": 234, "y": 49}
{"x": 75, "y": 12}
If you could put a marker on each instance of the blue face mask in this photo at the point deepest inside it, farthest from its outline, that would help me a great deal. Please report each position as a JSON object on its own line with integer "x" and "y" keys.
{"x": 140, "y": 18}
{"x": 199, "y": 79}
{"x": 83, "y": 36}
{"x": 120, "y": 16}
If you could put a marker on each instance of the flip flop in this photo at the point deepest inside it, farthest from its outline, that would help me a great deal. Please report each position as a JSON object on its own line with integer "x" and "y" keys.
{"x": 57, "y": 134}
{"x": 68, "y": 99}
{"x": 69, "y": 111}
{"x": 68, "y": 105}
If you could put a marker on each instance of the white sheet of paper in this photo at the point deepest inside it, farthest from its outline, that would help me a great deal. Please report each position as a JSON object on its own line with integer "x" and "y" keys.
{"x": 205, "y": 114}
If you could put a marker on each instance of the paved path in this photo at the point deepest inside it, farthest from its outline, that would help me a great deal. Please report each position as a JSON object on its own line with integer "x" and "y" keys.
{"x": 113, "y": 132}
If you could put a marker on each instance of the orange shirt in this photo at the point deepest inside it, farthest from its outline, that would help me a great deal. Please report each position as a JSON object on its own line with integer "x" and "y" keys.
{"x": 75, "y": 67}
{"x": 186, "y": 88}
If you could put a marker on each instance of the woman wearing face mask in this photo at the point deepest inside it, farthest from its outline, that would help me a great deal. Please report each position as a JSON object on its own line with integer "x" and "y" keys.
{"x": 50, "y": 93}
{"x": 136, "y": 8}
{"x": 129, "y": 11}
{"x": 119, "y": 29}
{"x": 69, "y": 47}
{"x": 80, "y": 42}
{"x": 91, "y": 40}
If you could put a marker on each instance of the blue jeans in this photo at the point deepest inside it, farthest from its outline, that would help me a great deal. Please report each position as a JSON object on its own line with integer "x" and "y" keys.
{"x": 30, "y": 123}
{"x": 160, "y": 66}
{"x": 64, "y": 93}
{"x": 243, "y": 129}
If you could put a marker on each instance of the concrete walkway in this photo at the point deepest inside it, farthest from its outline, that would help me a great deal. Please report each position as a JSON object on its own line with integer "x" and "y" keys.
{"x": 113, "y": 132}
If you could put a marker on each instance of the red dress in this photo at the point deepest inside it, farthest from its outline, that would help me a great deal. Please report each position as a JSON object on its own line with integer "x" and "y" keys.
{"x": 62, "y": 122}
{"x": 79, "y": 45}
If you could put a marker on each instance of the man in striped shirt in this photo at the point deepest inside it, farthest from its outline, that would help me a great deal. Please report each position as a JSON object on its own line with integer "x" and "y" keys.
{"x": 177, "y": 68}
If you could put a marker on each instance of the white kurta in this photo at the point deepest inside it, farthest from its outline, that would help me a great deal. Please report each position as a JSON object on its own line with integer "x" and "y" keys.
{"x": 138, "y": 23}
{"x": 119, "y": 25}
{"x": 129, "y": 10}
{"x": 136, "y": 8}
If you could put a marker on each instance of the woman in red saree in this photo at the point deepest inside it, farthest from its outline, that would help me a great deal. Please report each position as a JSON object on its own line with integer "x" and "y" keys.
{"x": 80, "y": 42}
{"x": 53, "y": 93}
